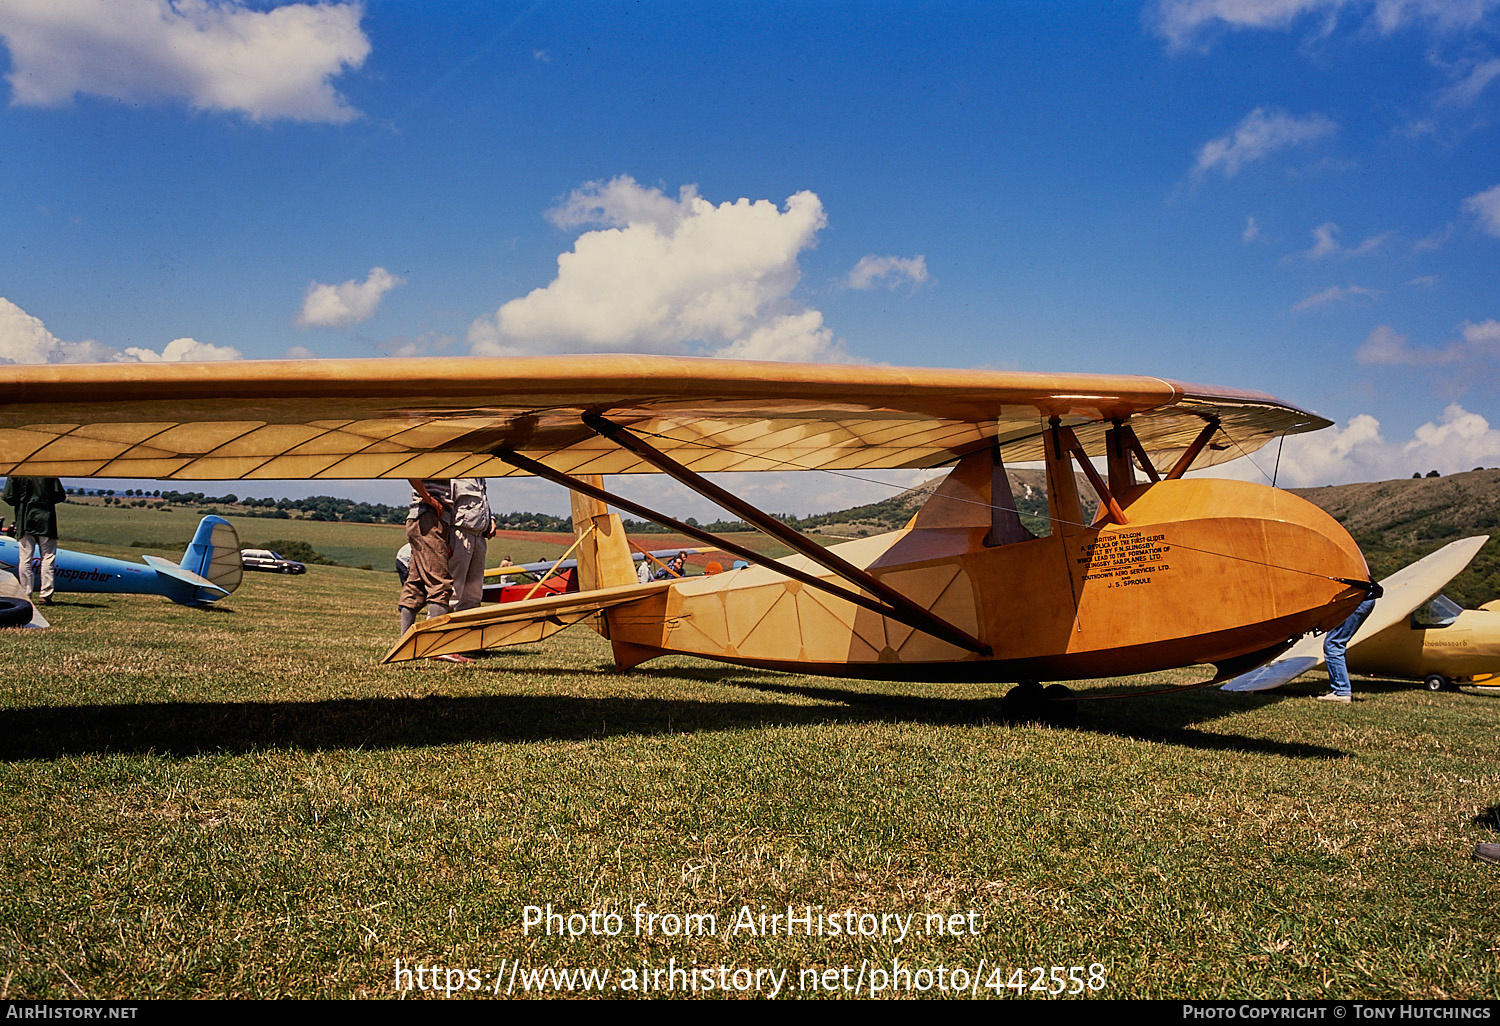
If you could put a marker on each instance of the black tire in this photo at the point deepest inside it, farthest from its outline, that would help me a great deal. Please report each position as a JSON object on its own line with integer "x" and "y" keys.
{"x": 15, "y": 612}
{"x": 1060, "y": 710}
{"x": 1024, "y": 703}
{"x": 1437, "y": 682}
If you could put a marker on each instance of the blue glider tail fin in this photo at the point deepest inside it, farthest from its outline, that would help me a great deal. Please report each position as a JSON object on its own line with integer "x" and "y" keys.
{"x": 211, "y": 566}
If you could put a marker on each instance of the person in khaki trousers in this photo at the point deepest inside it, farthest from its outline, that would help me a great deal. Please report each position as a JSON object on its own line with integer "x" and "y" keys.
{"x": 35, "y": 501}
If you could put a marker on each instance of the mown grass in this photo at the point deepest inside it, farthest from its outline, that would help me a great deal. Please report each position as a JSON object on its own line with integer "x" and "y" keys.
{"x": 241, "y": 802}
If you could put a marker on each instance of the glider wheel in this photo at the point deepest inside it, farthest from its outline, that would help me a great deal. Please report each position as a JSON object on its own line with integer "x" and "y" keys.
{"x": 1061, "y": 710}
{"x": 15, "y": 612}
{"x": 1029, "y": 702}
{"x": 1023, "y": 703}
{"x": 1437, "y": 682}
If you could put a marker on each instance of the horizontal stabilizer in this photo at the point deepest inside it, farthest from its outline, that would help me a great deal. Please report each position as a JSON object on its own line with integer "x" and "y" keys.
{"x": 1280, "y": 671}
{"x": 170, "y": 569}
{"x": 511, "y": 623}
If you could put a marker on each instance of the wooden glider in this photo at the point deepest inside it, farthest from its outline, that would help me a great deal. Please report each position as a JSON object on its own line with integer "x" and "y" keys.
{"x": 1173, "y": 571}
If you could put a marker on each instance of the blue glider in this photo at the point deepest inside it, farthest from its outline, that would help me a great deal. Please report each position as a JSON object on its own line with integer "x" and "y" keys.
{"x": 210, "y": 568}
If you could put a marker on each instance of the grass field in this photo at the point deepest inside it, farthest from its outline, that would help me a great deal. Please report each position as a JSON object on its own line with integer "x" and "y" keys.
{"x": 92, "y": 527}
{"x": 241, "y": 802}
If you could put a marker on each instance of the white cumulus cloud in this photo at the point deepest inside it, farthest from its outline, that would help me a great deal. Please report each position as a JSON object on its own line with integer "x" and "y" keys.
{"x": 1336, "y": 294}
{"x": 338, "y": 306}
{"x": 1326, "y": 243}
{"x": 1259, "y": 134}
{"x": 214, "y": 54}
{"x": 890, "y": 271}
{"x": 183, "y": 350}
{"x": 1486, "y": 207}
{"x": 1472, "y": 82}
{"x": 1477, "y": 346}
{"x": 1184, "y": 23}
{"x": 1357, "y": 451}
{"x": 1386, "y": 347}
{"x": 670, "y": 274}
{"x": 25, "y": 339}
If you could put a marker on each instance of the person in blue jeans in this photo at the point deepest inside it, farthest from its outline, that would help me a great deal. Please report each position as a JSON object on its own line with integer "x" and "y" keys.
{"x": 1336, "y": 643}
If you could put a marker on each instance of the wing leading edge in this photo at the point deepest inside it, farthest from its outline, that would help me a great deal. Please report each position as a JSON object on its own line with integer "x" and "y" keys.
{"x": 339, "y": 419}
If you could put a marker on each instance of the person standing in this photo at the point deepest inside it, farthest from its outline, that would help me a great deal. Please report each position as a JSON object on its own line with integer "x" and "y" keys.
{"x": 428, "y": 582}
{"x": 473, "y": 523}
{"x": 1336, "y": 643}
{"x": 35, "y": 501}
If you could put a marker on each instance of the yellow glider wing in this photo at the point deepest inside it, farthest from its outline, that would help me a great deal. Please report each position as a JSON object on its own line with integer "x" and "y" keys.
{"x": 511, "y": 623}
{"x": 435, "y": 418}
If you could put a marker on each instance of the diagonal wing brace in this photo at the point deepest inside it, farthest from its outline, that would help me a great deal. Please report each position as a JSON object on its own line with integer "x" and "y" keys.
{"x": 889, "y": 602}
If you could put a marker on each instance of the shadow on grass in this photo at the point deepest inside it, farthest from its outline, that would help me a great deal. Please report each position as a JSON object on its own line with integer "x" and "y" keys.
{"x": 1165, "y": 719}
{"x": 189, "y": 728}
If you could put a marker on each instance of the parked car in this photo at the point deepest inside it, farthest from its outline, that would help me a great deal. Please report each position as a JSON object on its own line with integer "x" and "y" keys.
{"x": 270, "y": 562}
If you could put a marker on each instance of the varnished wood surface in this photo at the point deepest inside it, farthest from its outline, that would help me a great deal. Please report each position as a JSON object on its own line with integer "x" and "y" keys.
{"x": 331, "y": 419}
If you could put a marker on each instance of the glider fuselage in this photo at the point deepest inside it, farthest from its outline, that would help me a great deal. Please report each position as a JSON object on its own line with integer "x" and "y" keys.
{"x": 85, "y": 572}
{"x": 1467, "y": 647}
{"x": 1204, "y": 571}
{"x": 209, "y": 570}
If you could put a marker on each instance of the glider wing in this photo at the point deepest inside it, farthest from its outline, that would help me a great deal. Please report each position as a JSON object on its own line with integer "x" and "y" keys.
{"x": 435, "y": 418}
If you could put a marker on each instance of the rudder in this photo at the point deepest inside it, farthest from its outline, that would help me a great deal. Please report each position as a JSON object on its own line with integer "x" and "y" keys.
{"x": 214, "y": 554}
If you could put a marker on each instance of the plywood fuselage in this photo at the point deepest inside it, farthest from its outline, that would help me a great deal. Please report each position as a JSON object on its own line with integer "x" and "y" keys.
{"x": 1203, "y": 571}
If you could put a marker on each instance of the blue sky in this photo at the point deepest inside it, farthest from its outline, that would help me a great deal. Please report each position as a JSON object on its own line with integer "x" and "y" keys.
{"x": 1298, "y": 196}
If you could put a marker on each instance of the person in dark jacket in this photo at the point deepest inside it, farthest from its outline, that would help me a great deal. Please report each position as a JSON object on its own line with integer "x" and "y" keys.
{"x": 35, "y": 501}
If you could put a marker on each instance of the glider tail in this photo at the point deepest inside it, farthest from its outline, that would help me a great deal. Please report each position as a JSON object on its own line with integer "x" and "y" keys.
{"x": 214, "y": 554}
{"x": 604, "y": 559}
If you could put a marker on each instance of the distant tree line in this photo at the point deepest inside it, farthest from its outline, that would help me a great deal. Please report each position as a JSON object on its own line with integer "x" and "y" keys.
{"x": 314, "y": 507}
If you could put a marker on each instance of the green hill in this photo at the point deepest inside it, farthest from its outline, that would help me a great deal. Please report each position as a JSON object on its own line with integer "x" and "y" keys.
{"x": 1029, "y": 486}
{"x": 1397, "y": 522}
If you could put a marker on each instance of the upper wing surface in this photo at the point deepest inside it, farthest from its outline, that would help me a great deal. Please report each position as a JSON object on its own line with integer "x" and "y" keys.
{"x": 435, "y": 418}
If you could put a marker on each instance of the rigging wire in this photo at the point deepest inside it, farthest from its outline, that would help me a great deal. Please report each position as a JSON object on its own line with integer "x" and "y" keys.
{"x": 929, "y": 492}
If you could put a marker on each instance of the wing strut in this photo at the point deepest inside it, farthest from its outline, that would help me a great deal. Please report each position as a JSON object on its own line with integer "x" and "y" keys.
{"x": 898, "y": 607}
{"x": 1065, "y": 443}
{"x": 1186, "y": 459}
{"x": 1131, "y": 444}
